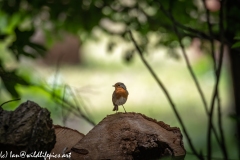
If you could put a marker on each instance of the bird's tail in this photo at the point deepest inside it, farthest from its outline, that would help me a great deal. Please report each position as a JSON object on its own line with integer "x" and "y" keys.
{"x": 115, "y": 107}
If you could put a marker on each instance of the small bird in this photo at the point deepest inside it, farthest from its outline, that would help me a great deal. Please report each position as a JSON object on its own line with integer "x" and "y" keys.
{"x": 119, "y": 96}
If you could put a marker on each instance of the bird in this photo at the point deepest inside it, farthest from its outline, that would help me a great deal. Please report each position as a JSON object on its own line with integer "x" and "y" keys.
{"x": 119, "y": 96}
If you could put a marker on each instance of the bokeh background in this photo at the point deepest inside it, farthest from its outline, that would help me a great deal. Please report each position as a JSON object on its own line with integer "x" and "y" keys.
{"x": 69, "y": 54}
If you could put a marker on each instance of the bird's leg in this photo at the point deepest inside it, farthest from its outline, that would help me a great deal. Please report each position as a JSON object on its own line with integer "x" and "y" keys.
{"x": 124, "y": 109}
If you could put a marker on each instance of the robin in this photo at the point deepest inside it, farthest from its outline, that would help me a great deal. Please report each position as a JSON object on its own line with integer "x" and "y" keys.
{"x": 119, "y": 96}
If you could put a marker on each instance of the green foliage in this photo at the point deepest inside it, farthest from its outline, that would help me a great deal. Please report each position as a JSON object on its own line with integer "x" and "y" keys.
{"x": 82, "y": 16}
{"x": 236, "y": 45}
{"x": 10, "y": 80}
{"x": 22, "y": 46}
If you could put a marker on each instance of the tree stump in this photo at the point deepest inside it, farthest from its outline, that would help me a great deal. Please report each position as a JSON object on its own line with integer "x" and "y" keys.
{"x": 119, "y": 136}
{"x": 130, "y": 136}
{"x": 66, "y": 138}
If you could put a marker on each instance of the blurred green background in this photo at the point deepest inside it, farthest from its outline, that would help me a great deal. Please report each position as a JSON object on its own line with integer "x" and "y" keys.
{"x": 71, "y": 49}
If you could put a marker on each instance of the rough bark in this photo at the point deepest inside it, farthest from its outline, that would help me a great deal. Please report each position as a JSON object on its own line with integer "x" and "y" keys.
{"x": 28, "y": 128}
{"x": 130, "y": 136}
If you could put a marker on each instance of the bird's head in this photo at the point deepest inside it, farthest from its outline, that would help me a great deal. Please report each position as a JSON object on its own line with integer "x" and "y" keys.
{"x": 120, "y": 84}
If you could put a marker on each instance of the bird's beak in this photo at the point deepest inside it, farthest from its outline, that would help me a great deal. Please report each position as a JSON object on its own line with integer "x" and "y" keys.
{"x": 113, "y": 85}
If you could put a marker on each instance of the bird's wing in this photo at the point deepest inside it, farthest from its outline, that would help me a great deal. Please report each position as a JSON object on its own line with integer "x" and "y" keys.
{"x": 114, "y": 98}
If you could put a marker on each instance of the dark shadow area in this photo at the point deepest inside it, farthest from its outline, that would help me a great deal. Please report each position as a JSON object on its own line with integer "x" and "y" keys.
{"x": 161, "y": 151}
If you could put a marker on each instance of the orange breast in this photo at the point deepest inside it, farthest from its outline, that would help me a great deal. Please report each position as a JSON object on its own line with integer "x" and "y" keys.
{"x": 120, "y": 92}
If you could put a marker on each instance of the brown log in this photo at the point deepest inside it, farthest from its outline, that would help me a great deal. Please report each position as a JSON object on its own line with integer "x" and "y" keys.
{"x": 66, "y": 138}
{"x": 29, "y": 128}
{"x": 130, "y": 136}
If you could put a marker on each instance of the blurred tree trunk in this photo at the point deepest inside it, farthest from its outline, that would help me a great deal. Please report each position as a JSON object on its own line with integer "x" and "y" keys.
{"x": 232, "y": 18}
{"x": 235, "y": 67}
